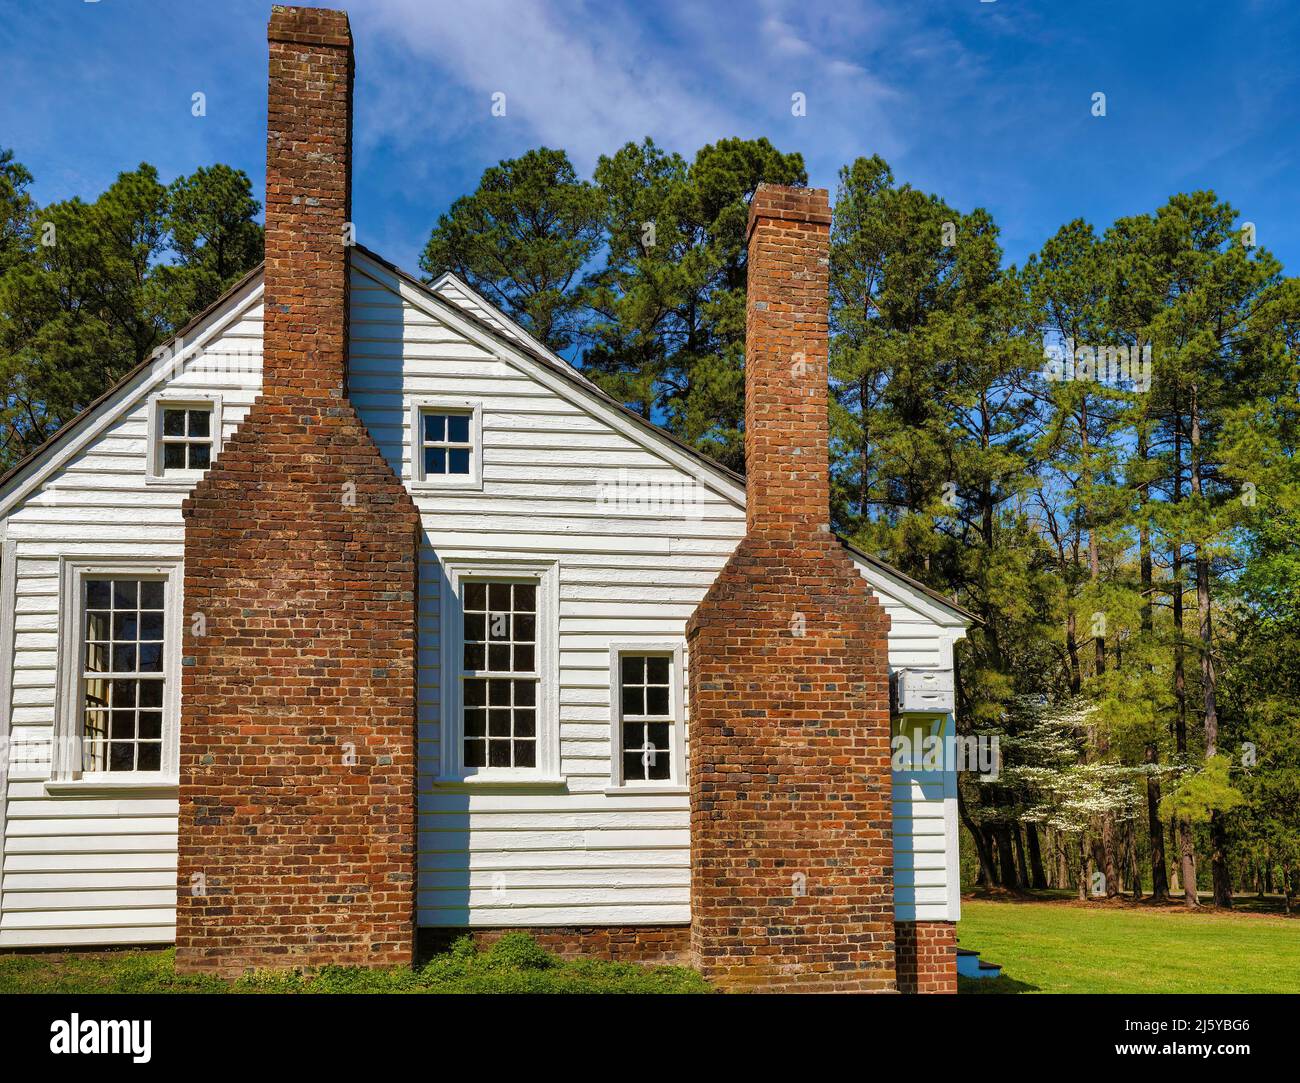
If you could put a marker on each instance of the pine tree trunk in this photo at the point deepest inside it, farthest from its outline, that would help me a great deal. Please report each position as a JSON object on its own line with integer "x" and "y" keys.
{"x": 1186, "y": 842}
{"x": 1006, "y": 858}
{"x": 1209, "y": 680}
{"x": 1083, "y": 866}
{"x": 1037, "y": 877}
{"x": 1022, "y": 870}
{"x": 1156, "y": 833}
{"x": 1109, "y": 856}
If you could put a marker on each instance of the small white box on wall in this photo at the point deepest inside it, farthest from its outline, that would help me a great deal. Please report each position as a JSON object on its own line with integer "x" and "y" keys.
{"x": 922, "y": 691}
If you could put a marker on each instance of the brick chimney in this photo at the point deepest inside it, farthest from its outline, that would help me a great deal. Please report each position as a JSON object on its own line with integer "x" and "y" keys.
{"x": 297, "y": 819}
{"x": 791, "y": 827}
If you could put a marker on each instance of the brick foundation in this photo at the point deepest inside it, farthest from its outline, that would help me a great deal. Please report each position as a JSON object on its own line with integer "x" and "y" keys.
{"x": 659, "y": 945}
{"x": 297, "y": 759}
{"x": 791, "y": 826}
{"x": 926, "y": 954}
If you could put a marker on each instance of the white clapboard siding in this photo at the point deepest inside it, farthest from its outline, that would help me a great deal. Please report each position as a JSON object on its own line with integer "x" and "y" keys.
{"x": 84, "y": 868}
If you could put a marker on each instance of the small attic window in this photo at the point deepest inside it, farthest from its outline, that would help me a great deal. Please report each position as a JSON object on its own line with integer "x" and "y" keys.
{"x": 447, "y": 442}
{"x": 184, "y": 438}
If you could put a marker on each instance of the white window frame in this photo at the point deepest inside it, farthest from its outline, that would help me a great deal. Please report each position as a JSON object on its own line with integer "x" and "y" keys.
{"x": 672, "y": 649}
{"x": 474, "y": 410}
{"x": 178, "y": 479}
{"x": 451, "y": 736}
{"x": 66, "y": 769}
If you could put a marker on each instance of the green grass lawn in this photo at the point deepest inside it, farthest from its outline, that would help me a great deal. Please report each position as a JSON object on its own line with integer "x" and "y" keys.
{"x": 1061, "y": 947}
{"x": 514, "y": 964}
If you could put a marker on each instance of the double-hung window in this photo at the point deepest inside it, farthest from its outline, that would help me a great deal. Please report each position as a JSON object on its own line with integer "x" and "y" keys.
{"x": 119, "y": 699}
{"x": 500, "y": 671}
{"x": 648, "y": 733}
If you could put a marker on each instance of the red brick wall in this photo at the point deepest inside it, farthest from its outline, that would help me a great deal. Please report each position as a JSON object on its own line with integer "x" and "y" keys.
{"x": 661, "y": 945}
{"x": 297, "y": 822}
{"x": 791, "y": 832}
{"x": 927, "y": 956}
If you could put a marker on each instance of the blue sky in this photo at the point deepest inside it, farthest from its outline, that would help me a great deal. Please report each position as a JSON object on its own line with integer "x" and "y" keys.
{"x": 986, "y": 103}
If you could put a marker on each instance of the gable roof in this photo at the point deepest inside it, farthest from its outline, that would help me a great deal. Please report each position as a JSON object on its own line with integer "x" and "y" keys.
{"x": 488, "y": 320}
{"x": 65, "y": 432}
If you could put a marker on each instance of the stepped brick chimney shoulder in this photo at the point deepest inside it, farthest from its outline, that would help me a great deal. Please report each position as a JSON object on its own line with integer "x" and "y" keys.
{"x": 297, "y": 807}
{"x": 791, "y": 828}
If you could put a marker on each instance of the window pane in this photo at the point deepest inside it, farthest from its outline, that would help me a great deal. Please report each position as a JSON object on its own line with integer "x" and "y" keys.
{"x": 476, "y": 753}
{"x": 475, "y": 626}
{"x": 125, "y": 593}
{"x": 499, "y": 658}
{"x": 525, "y": 693}
{"x": 200, "y": 456}
{"x": 97, "y": 625}
{"x": 499, "y": 596}
{"x": 475, "y": 722}
{"x": 657, "y": 670}
{"x": 476, "y": 596}
{"x": 435, "y": 461}
{"x": 498, "y": 753}
{"x": 173, "y": 456}
{"x": 200, "y": 422}
{"x": 525, "y": 628}
{"x": 151, "y": 594}
{"x": 123, "y": 692}
{"x": 121, "y": 756}
{"x": 657, "y": 735}
{"x": 475, "y": 693}
{"x": 499, "y": 693}
{"x": 457, "y": 462}
{"x": 121, "y": 725}
{"x": 173, "y": 422}
{"x": 150, "y": 756}
{"x": 458, "y": 429}
{"x": 151, "y": 725}
{"x": 151, "y": 625}
{"x": 525, "y": 658}
{"x": 97, "y": 693}
{"x": 474, "y": 656}
{"x": 151, "y": 693}
{"x": 656, "y": 700}
{"x": 150, "y": 657}
{"x": 125, "y": 626}
{"x": 525, "y": 597}
{"x": 525, "y": 753}
{"x": 525, "y": 723}
{"x": 499, "y": 723}
{"x": 98, "y": 593}
{"x": 632, "y": 766}
{"x": 633, "y": 669}
{"x": 123, "y": 658}
{"x": 633, "y": 700}
{"x": 435, "y": 427}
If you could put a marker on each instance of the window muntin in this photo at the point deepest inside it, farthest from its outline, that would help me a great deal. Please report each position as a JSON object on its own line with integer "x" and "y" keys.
{"x": 500, "y": 676}
{"x": 123, "y": 673}
{"x": 647, "y": 717}
{"x": 184, "y": 438}
{"x": 446, "y": 443}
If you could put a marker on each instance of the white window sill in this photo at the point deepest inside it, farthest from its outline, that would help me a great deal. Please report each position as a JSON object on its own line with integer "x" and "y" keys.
{"x": 647, "y": 791}
{"x": 157, "y": 786}
{"x": 472, "y": 485}
{"x": 179, "y": 482}
{"x": 504, "y": 782}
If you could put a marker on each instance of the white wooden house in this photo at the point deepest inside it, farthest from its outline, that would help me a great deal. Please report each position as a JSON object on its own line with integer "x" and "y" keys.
{"x": 634, "y": 525}
{"x": 517, "y": 463}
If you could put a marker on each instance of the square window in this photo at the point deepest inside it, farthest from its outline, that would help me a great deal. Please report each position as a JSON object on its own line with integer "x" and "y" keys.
{"x": 184, "y": 438}
{"x": 445, "y": 449}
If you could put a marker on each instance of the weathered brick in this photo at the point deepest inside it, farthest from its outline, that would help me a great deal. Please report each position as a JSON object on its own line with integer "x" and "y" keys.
{"x": 791, "y": 834}
{"x": 298, "y": 723}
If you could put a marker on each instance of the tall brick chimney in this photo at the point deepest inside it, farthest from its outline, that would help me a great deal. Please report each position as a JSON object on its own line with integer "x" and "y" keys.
{"x": 791, "y": 833}
{"x": 297, "y": 820}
